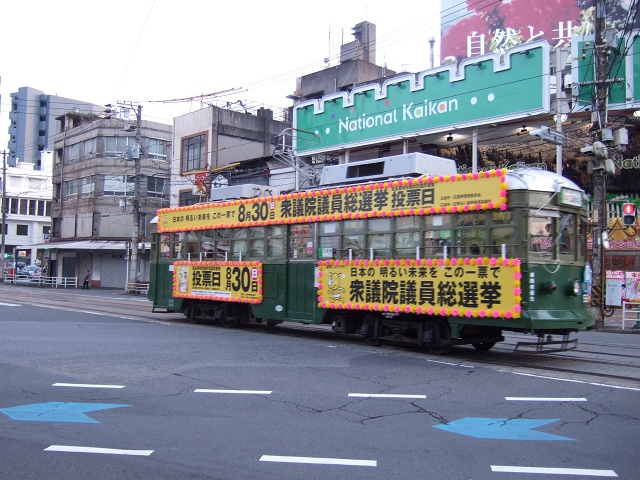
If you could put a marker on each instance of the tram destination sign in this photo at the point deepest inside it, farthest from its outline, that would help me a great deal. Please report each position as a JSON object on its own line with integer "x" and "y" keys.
{"x": 415, "y": 196}
{"x": 213, "y": 280}
{"x": 471, "y": 287}
{"x": 481, "y": 90}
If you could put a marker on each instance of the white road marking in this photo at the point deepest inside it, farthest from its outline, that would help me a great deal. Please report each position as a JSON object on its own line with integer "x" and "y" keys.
{"x": 384, "y": 395}
{"x": 85, "y": 385}
{"x": 554, "y": 471}
{"x": 9, "y": 304}
{"x": 123, "y": 317}
{"x": 319, "y": 461}
{"x": 569, "y": 380}
{"x": 109, "y": 451}
{"x": 543, "y": 399}
{"x": 248, "y": 392}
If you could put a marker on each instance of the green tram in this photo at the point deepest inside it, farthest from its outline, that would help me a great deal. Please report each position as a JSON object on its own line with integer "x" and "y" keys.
{"x": 427, "y": 259}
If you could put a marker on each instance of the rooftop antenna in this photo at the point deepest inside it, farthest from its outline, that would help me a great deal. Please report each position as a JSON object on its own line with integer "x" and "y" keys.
{"x": 327, "y": 61}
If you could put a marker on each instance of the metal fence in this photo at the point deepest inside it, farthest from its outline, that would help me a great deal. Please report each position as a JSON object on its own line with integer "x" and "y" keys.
{"x": 54, "y": 282}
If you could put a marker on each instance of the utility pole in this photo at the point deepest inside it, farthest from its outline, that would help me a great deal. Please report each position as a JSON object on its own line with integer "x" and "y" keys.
{"x": 600, "y": 121}
{"x": 136, "y": 153}
{"x": 4, "y": 212}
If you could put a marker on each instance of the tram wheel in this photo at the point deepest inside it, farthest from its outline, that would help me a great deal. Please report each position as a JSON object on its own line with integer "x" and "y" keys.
{"x": 192, "y": 314}
{"x": 440, "y": 331}
{"x": 374, "y": 342}
{"x": 483, "y": 347}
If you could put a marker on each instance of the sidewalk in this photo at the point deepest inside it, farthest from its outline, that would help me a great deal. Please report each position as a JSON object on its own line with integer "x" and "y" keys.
{"x": 614, "y": 322}
{"x": 92, "y": 291}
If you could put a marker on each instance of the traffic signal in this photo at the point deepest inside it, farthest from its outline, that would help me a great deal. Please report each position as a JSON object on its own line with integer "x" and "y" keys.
{"x": 628, "y": 214}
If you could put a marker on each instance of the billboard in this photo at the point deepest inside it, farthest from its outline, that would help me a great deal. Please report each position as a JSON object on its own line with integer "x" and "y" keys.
{"x": 478, "y": 27}
{"x": 480, "y": 91}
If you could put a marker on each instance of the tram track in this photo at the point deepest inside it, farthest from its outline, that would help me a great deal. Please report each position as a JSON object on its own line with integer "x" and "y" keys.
{"x": 592, "y": 362}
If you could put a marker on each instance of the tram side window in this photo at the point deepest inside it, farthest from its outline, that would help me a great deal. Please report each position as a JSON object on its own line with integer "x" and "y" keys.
{"x": 437, "y": 235}
{"x": 301, "y": 242}
{"x": 207, "y": 244}
{"x": 502, "y": 233}
{"x": 329, "y": 240}
{"x": 256, "y": 242}
{"x": 239, "y": 244}
{"x": 502, "y": 236}
{"x": 378, "y": 241}
{"x": 193, "y": 246}
{"x": 407, "y": 236}
{"x": 223, "y": 244}
{"x": 275, "y": 241}
{"x": 541, "y": 235}
{"x": 165, "y": 245}
{"x": 178, "y": 245}
{"x": 471, "y": 234}
{"x": 566, "y": 234}
{"x": 353, "y": 238}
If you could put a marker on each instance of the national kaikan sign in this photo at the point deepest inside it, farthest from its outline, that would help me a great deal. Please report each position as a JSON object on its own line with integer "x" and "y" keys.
{"x": 477, "y": 91}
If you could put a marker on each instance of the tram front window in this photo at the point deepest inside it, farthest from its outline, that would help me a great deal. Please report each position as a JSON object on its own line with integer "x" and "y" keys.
{"x": 566, "y": 235}
{"x": 541, "y": 235}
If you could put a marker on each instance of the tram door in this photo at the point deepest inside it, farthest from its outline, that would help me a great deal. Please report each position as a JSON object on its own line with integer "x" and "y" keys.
{"x": 301, "y": 291}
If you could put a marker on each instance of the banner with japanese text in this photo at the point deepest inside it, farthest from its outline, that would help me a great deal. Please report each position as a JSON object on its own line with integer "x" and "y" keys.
{"x": 471, "y": 287}
{"x": 212, "y": 280}
{"x": 413, "y": 196}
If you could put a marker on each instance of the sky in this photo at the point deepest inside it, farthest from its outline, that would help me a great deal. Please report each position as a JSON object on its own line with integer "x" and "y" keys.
{"x": 149, "y": 51}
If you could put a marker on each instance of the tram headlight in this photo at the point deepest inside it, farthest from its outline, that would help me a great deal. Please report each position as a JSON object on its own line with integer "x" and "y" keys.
{"x": 575, "y": 288}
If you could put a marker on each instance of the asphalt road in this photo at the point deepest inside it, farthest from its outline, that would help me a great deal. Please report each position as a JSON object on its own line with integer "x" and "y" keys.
{"x": 95, "y": 386}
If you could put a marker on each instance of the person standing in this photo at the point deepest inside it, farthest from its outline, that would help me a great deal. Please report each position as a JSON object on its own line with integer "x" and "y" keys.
{"x": 87, "y": 279}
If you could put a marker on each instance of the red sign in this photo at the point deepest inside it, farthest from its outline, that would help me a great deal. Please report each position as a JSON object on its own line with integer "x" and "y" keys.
{"x": 487, "y": 26}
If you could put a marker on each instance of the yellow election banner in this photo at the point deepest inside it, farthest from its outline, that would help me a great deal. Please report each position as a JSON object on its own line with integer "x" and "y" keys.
{"x": 225, "y": 281}
{"x": 471, "y": 287}
{"x": 411, "y": 196}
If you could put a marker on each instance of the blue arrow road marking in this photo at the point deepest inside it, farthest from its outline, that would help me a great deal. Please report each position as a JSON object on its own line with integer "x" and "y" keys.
{"x": 57, "y": 411}
{"x": 502, "y": 428}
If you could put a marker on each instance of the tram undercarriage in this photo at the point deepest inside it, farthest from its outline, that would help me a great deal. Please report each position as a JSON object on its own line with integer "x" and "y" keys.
{"x": 433, "y": 333}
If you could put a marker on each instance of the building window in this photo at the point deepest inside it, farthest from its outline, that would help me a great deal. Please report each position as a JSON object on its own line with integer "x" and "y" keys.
{"x": 120, "y": 185}
{"x": 71, "y": 189}
{"x": 88, "y": 186}
{"x": 13, "y": 207}
{"x": 22, "y": 230}
{"x": 155, "y": 186}
{"x": 41, "y": 209}
{"x": 156, "y": 149}
{"x": 194, "y": 153}
{"x": 23, "y": 206}
{"x": 46, "y": 230}
{"x": 188, "y": 198}
{"x": 6, "y": 229}
{"x": 73, "y": 152}
{"x": 47, "y": 209}
{"x": 116, "y": 146}
{"x": 33, "y": 205}
{"x": 89, "y": 148}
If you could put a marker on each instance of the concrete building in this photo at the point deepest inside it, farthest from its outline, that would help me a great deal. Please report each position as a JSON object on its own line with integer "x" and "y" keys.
{"x": 94, "y": 176}
{"x": 217, "y": 147}
{"x": 32, "y": 122}
{"x": 28, "y": 209}
{"x": 357, "y": 65}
